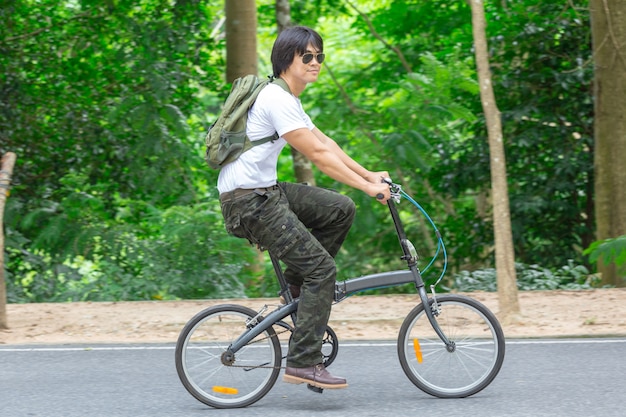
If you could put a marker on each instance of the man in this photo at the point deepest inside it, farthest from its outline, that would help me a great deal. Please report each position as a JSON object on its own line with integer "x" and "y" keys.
{"x": 303, "y": 226}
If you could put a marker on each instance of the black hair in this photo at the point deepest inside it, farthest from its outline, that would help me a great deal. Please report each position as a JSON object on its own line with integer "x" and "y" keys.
{"x": 290, "y": 41}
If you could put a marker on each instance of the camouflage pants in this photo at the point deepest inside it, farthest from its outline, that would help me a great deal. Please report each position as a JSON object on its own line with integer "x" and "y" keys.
{"x": 304, "y": 227}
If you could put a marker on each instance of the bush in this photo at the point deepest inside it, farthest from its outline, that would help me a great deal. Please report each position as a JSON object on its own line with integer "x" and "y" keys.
{"x": 529, "y": 277}
{"x": 609, "y": 251}
{"x": 178, "y": 253}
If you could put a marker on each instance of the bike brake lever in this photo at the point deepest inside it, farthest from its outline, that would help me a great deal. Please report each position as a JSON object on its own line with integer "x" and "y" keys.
{"x": 393, "y": 188}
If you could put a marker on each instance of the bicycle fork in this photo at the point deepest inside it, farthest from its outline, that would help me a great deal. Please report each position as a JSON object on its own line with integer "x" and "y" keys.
{"x": 411, "y": 258}
{"x": 431, "y": 311}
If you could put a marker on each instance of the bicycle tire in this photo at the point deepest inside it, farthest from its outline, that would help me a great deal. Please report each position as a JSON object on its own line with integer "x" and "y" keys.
{"x": 219, "y": 381}
{"x": 474, "y": 362}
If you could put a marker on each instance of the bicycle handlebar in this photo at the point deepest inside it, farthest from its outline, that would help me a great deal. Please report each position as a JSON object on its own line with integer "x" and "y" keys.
{"x": 388, "y": 181}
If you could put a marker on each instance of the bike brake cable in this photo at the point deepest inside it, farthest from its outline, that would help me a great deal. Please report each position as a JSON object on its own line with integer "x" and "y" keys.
{"x": 440, "y": 245}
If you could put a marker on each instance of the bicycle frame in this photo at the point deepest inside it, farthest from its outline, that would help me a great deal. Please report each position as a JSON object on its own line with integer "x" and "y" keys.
{"x": 226, "y": 372}
{"x": 353, "y": 285}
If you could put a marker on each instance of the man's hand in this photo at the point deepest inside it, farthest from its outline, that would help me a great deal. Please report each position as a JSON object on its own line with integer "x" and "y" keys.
{"x": 378, "y": 186}
{"x": 379, "y": 189}
{"x": 376, "y": 177}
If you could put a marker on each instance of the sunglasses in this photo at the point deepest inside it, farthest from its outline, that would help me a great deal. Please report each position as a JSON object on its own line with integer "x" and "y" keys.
{"x": 308, "y": 57}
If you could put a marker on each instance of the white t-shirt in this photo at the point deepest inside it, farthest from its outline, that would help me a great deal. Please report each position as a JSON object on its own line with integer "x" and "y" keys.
{"x": 274, "y": 110}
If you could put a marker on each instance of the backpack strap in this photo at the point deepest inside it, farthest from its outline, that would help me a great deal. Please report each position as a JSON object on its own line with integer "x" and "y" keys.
{"x": 283, "y": 84}
{"x": 264, "y": 140}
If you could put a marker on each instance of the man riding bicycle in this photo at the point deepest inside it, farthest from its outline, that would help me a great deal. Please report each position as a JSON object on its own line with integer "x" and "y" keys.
{"x": 303, "y": 226}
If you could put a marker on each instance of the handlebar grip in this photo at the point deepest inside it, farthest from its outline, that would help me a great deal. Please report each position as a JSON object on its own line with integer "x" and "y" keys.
{"x": 380, "y": 196}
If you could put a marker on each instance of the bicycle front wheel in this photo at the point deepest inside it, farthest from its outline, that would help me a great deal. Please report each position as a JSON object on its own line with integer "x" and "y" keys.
{"x": 469, "y": 365}
{"x": 211, "y": 373}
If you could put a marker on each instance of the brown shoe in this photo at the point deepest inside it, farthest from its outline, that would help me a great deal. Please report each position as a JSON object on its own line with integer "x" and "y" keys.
{"x": 316, "y": 375}
{"x": 295, "y": 293}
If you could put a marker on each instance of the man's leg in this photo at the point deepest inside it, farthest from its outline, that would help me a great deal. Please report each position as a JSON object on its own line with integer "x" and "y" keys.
{"x": 269, "y": 221}
{"x": 326, "y": 213}
{"x": 304, "y": 358}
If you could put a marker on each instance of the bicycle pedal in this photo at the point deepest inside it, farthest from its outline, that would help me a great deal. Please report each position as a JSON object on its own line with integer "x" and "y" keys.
{"x": 315, "y": 389}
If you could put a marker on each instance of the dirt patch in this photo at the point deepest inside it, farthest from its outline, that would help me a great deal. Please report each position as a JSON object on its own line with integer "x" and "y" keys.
{"x": 543, "y": 314}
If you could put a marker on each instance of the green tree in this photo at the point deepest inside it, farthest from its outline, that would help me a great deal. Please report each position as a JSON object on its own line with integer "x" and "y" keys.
{"x": 608, "y": 20}
{"x": 6, "y": 169}
{"x": 241, "y": 28}
{"x": 538, "y": 54}
{"x": 505, "y": 258}
{"x": 303, "y": 169}
{"x": 106, "y": 104}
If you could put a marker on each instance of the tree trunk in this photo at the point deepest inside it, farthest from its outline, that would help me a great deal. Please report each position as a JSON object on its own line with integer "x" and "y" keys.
{"x": 6, "y": 169}
{"x": 608, "y": 30}
{"x": 303, "y": 169}
{"x": 283, "y": 14}
{"x": 241, "y": 59}
{"x": 241, "y": 24}
{"x": 505, "y": 256}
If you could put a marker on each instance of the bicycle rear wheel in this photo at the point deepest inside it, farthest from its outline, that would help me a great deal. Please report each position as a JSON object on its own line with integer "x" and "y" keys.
{"x": 469, "y": 366}
{"x": 217, "y": 377}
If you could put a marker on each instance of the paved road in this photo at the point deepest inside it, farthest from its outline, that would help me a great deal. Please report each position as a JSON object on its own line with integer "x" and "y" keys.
{"x": 539, "y": 378}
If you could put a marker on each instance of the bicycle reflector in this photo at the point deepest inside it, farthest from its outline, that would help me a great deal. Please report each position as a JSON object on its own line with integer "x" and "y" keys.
{"x": 418, "y": 350}
{"x": 225, "y": 390}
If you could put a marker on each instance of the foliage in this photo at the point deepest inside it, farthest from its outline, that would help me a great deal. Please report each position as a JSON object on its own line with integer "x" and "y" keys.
{"x": 529, "y": 278}
{"x": 609, "y": 251}
{"x": 101, "y": 103}
{"x": 105, "y": 104}
{"x": 146, "y": 253}
{"x": 543, "y": 89}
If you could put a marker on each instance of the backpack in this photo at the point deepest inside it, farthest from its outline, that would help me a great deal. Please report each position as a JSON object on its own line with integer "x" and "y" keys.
{"x": 226, "y": 139}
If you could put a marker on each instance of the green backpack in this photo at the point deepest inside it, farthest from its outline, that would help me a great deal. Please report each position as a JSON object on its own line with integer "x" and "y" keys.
{"x": 226, "y": 139}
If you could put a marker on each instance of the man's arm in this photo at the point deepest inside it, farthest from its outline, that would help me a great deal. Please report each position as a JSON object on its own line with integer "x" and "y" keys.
{"x": 348, "y": 161}
{"x": 332, "y": 161}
